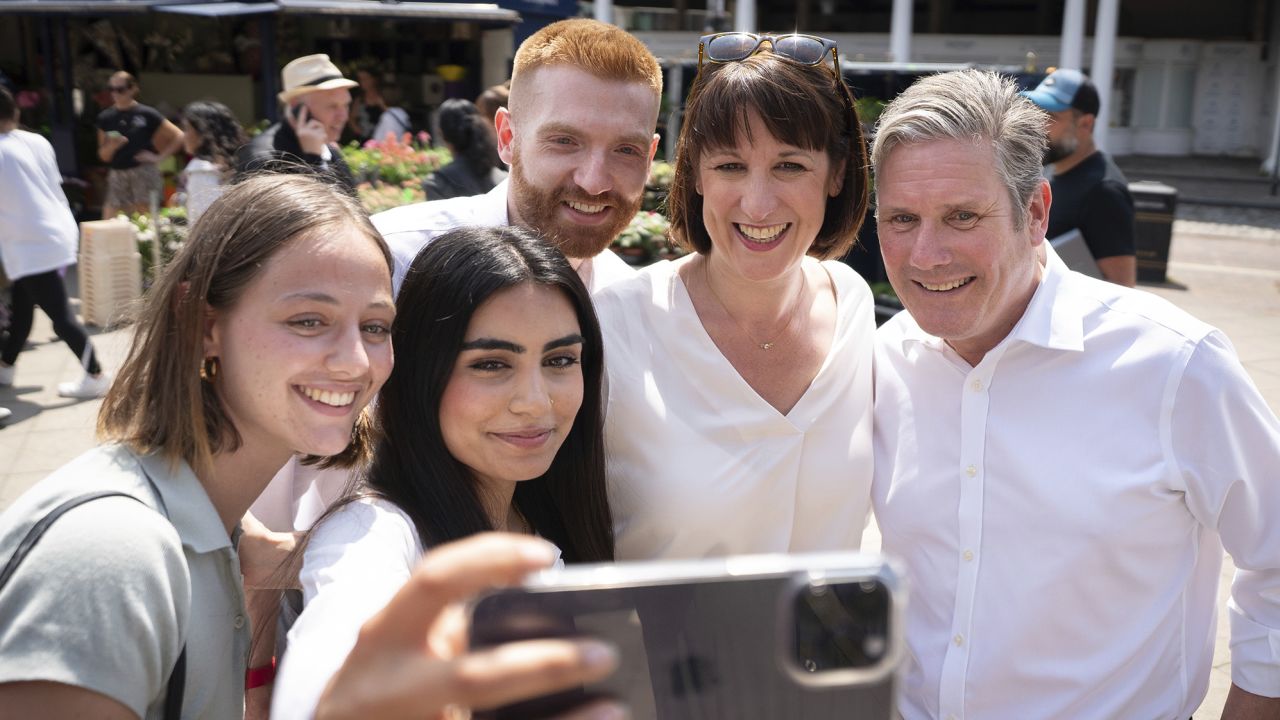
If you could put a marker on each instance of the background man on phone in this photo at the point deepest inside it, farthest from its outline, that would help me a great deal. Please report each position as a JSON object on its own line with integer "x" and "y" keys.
{"x": 317, "y": 101}
{"x": 1059, "y": 460}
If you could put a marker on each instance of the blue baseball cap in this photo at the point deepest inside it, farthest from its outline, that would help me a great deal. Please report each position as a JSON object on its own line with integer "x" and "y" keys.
{"x": 1064, "y": 89}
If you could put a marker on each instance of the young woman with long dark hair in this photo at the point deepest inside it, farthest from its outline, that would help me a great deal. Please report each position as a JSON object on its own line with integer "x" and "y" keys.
{"x": 491, "y": 420}
{"x": 211, "y": 135}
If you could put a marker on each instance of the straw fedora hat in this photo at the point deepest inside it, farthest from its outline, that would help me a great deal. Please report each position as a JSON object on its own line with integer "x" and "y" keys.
{"x": 310, "y": 73}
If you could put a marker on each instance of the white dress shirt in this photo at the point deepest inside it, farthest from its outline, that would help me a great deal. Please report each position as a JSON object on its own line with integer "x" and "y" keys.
{"x": 699, "y": 465}
{"x": 297, "y": 495}
{"x": 1062, "y": 509}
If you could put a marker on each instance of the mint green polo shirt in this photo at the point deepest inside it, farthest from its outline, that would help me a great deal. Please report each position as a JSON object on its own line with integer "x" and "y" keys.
{"x": 107, "y": 597}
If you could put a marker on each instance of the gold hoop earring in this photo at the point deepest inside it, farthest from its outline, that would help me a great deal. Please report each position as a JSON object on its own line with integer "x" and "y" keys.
{"x": 209, "y": 369}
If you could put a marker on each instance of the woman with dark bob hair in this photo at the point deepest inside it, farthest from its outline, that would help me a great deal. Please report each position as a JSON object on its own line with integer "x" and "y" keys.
{"x": 740, "y": 375}
{"x": 474, "y": 169}
{"x": 121, "y": 593}
{"x": 491, "y": 420}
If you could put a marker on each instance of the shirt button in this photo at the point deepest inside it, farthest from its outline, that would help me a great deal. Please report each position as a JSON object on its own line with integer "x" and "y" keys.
{"x": 971, "y": 470}
{"x": 958, "y": 640}
{"x": 976, "y": 385}
{"x": 239, "y": 622}
{"x": 968, "y": 555}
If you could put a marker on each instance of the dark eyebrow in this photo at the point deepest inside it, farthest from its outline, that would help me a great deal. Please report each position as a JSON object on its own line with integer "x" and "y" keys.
{"x": 492, "y": 344}
{"x": 331, "y": 300}
{"x": 566, "y": 341}
{"x": 316, "y": 296}
{"x": 507, "y": 345}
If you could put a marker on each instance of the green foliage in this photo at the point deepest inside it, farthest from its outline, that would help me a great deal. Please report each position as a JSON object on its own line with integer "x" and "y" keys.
{"x": 384, "y": 196}
{"x": 170, "y": 231}
{"x": 394, "y": 161}
{"x": 869, "y": 109}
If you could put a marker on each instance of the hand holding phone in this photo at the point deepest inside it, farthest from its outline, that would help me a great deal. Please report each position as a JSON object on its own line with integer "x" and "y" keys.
{"x": 411, "y": 661}
{"x": 311, "y": 133}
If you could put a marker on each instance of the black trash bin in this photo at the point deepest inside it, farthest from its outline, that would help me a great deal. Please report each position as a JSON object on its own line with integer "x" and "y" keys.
{"x": 1154, "y": 204}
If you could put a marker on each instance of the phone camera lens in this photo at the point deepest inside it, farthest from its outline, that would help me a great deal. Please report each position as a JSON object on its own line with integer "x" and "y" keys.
{"x": 841, "y": 625}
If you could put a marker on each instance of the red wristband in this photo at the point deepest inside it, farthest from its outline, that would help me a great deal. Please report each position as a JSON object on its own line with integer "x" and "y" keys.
{"x": 261, "y": 675}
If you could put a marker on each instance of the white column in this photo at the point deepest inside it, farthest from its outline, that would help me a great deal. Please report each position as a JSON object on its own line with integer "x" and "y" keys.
{"x": 1102, "y": 70}
{"x": 496, "y": 51}
{"x": 604, "y": 11}
{"x": 744, "y": 16}
{"x": 1072, "y": 35}
{"x": 675, "y": 98}
{"x": 900, "y": 32}
{"x": 715, "y": 12}
{"x": 1271, "y": 163}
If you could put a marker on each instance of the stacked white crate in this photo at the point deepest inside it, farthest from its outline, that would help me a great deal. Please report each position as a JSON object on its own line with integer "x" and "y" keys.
{"x": 110, "y": 270}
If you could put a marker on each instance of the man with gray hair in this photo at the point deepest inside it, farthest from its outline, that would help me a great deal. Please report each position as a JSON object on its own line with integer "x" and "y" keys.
{"x": 1060, "y": 461}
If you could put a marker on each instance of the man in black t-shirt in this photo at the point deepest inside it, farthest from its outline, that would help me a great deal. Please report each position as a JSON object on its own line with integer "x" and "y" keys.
{"x": 1089, "y": 192}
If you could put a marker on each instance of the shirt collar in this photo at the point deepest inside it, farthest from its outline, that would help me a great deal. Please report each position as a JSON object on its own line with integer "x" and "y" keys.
{"x": 1051, "y": 320}
{"x": 499, "y": 197}
{"x": 186, "y": 504}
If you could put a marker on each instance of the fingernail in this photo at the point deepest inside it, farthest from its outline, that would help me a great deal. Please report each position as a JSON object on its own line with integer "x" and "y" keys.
{"x": 539, "y": 551}
{"x": 608, "y": 712}
{"x": 597, "y": 654}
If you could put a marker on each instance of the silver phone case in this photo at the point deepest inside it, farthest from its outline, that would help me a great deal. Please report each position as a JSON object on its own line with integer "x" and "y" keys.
{"x": 702, "y": 638}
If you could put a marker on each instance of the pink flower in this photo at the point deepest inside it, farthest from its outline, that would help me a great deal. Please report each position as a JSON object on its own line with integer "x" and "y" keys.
{"x": 28, "y": 99}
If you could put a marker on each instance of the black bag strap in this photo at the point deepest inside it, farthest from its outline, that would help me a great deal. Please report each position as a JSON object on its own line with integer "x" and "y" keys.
{"x": 178, "y": 676}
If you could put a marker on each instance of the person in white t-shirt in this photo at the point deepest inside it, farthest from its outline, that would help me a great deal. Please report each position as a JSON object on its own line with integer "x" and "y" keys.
{"x": 491, "y": 420}
{"x": 211, "y": 135}
{"x": 38, "y": 237}
{"x": 740, "y": 375}
{"x": 1060, "y": 461}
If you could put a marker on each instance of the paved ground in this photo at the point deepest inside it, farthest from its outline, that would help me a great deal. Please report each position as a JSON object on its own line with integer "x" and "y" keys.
{"x": 1226, "y": 274}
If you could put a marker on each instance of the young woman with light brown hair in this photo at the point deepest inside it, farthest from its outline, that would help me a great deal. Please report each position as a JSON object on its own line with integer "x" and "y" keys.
{"x": 265, "y": 338}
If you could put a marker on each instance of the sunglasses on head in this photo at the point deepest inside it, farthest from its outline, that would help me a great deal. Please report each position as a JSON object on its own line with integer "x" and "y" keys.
{"x": 730, "y": 47}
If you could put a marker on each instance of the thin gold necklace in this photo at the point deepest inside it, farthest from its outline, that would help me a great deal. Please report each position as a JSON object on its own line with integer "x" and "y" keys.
{"x": 768, "y": 344}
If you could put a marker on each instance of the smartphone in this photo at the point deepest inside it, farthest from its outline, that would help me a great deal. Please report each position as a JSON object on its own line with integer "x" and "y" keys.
{"x": 813, "y": 637}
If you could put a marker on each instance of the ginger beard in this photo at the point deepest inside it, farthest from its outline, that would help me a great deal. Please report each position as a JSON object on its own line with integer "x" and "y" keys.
{"x": 542, "y": 210}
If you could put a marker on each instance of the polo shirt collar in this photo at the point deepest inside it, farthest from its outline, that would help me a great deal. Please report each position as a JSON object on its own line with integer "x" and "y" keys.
{"x": 186, "y": 504}
{"x": 1051, "y": 320}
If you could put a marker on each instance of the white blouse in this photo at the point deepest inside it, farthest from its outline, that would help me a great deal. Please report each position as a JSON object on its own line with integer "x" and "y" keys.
{"x": 355, "y": 562}
{"x": 699, "y": 465}
{"x": 205, "y": 183}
